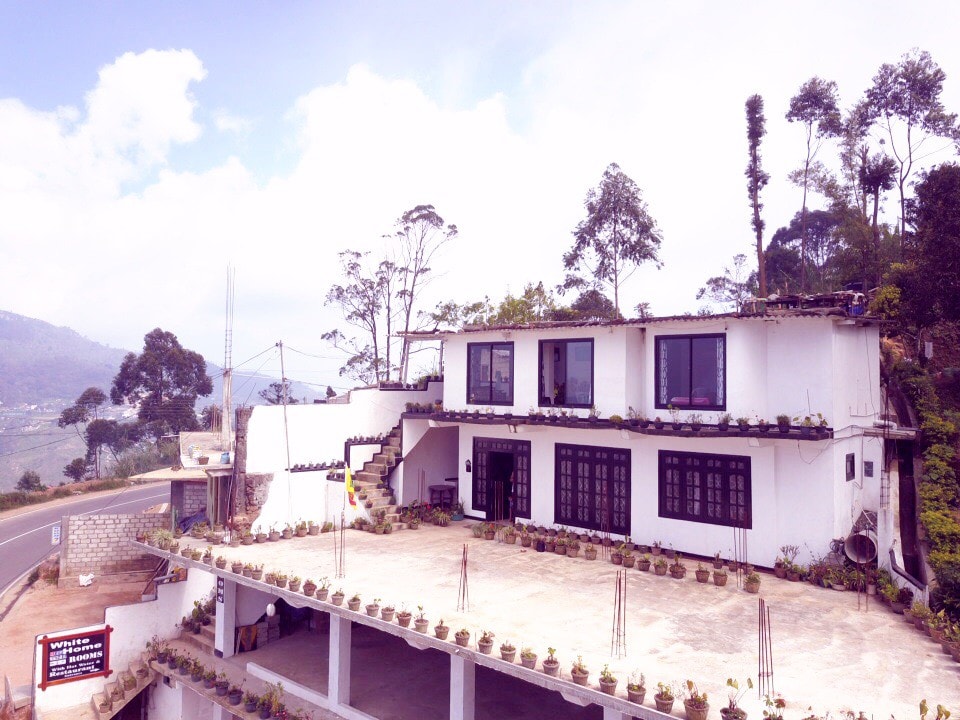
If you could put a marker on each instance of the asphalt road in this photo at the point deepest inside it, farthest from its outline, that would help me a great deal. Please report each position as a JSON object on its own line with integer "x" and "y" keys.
{"x": 26, "y": 539}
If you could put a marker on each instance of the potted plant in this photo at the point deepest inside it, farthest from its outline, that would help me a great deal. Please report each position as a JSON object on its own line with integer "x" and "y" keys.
{"x": 590, "y": 552}
{"x": 579, "y": 671}
{"x": 309, "y": 587}
{"x": 280, "y": 579}
{"x": 723, "y": 421}
{"x": 461, "y": 637}
{"x": 274, "y": 534}
{"x": 695, "y": 703}
{"x": 628, "y": 559}
{"x": 732, "y": 711}
{"x": 677, "y": 569}
{"x": 608, "y": 681}
{"x": 775, "y": 706}
{"x": 643, "y": 563}
{"x": 209, "y": 679}
{"x": 234, "y": 695}
{"x": 720, "y": 577}
{"x": 656, "y": 548}
{"x": 404, "y": 617}
{"x": 783, "y": 423}
{"x": 660, "y": 565}
{"x": 294, "y": 583}
{"x": 441, "y": 631}
{"x": 674, "y": 417}
{"x": 528, "y": 658}
{"x": 508, "y": 651}
{"x": 250, "y": 701}
{"x": 762, "y": 425}
{"x": 373, "y": 609}
{"x": 222, "y": 685}
{"x": 456, "y": 512}
{"x": 485, "y": 643}
{"x": 337, "y": 597}
{"x": 420, "y": 623}
{"x": 551, "y": 666}
{"x": 354, "y": 602}
{"x": 752, "y": 583}
{"x": 743, "y": 424}
{"x": 387, "y": 613}
{"x": 664, "y": 697}
{"x": 257, "y": 572}
{"x": 701, "y": 573}
{"x": 636, "y": 688}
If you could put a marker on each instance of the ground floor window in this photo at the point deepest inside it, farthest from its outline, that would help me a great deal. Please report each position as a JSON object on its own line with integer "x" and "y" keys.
{"x": 592, "y": 488}
{"x": 705, "y": 488}
{"x": 501, "y": 477}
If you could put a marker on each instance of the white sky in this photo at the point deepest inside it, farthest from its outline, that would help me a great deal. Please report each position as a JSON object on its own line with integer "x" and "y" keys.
{"x": 141, "y": 150}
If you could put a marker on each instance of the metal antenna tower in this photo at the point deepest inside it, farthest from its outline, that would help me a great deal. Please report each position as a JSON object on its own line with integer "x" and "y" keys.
{"x": 226, "y": 415}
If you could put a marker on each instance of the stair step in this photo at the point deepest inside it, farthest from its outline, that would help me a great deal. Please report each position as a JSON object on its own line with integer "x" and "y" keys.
{"x": 201, "y": 641}
{"x": 375, "y": 467}
{"x": 369, "y": 477}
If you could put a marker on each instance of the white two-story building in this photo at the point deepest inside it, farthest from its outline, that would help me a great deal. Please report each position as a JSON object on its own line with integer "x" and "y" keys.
{"x": 690, "y": 489}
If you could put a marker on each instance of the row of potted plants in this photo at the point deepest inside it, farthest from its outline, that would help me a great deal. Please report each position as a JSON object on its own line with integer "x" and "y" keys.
{"x": 937, "y": 625}
{"x": 267, "y": 704}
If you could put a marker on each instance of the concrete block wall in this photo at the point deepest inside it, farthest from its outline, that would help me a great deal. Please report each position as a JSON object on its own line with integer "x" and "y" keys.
{"x": 99, "y": 544}
{"x": 194, "y": 497}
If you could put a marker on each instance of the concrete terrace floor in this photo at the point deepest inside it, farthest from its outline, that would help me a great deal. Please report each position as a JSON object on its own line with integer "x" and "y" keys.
{"x": 829, "y": 654}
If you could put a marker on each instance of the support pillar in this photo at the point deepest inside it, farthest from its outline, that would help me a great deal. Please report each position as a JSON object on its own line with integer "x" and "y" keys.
{"x": 338, "y": 684}
{"x": 223, "y": 641}
{"x": 463, "y": 687}
{"x": 221, "y": 713}
{"x": 610, "y": 713}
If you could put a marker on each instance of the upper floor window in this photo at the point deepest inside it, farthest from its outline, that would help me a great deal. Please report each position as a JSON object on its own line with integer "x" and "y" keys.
{"x": 691, "y": 371}
{"x": 490, "y": 373}
{"x": 566, "y": 373}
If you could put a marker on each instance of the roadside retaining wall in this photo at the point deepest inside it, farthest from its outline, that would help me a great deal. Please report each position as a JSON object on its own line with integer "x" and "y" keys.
{"x": 98, "y": 543}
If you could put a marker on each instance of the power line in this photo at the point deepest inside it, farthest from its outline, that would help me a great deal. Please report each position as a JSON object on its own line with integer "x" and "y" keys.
{"x": 35, "y": 447}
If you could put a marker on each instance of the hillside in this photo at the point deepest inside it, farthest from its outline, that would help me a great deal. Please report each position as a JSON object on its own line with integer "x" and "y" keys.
{"x": 43, "y": 368}
{"x": 41, "y": 362}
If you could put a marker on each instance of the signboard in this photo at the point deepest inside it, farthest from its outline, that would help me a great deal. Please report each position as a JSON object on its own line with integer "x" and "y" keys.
{"x": 219, "y": 590}
{"x": 79, "y": 656}
{"x": 55, "y": 535}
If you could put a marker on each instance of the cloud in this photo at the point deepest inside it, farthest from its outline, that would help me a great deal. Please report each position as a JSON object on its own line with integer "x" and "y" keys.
{"x": 225, "y": 122}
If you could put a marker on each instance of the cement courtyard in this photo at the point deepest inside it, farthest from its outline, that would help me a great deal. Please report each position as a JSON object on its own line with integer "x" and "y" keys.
{"x": 829, "y": 654}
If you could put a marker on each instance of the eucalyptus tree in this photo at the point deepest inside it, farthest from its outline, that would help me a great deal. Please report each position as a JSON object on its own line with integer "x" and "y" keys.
{"x": 815, "y": 106}
{"x": 616, "y": 237}
{"x": 756, "y": 179}
{"x": 905, "y": 99}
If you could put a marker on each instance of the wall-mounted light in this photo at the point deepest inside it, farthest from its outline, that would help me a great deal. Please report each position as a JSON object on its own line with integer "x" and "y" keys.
{"x": 467, "y": 465}
{"x": 271, "y": 609}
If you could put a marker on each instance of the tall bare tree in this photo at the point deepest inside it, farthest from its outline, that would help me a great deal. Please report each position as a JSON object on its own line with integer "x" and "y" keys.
{"x": 756, "y": 179}
{"x": 905, "y": 98}
{"x": 420, "y": 234}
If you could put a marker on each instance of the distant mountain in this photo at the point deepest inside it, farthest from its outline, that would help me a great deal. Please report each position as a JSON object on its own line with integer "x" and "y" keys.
{"x": 40, "y": 362}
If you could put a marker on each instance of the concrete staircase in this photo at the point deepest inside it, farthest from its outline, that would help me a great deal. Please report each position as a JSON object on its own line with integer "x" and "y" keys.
{"x": 374, "y": 472}
{"x": 128, "y": 685}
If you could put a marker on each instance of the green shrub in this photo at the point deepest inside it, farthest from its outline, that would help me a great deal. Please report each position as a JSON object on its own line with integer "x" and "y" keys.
{"x": 942, "y": 528}
{"x": 937, "y": 430}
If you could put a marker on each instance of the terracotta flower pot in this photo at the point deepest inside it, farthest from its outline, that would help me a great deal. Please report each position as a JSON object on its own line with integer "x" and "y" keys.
{"x": 695, "y": 712}
{"x": 580, "y": 678}
{"x": 551, "y": 667}
{"x": 664, "y": 705}
{"x": 636, "y": 696}
{"x": 528, "y": 661}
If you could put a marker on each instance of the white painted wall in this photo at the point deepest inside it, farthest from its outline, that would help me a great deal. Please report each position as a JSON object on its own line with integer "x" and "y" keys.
{"x": 791, "y": 483}
{"x": 317, "y": 434}
{"x": 429, "y": 447}
{"x": 790, "y": 365}
{"x": 133, "y": 626}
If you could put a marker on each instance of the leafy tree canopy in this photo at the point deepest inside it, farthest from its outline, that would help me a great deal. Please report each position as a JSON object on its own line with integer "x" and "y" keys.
{"x": 30, "y": 482}
{"x": 164, "y": 382}
{"x": 616, "y": 237}
{"x": 733, "y": 287}
{"x": 273, "y": 394}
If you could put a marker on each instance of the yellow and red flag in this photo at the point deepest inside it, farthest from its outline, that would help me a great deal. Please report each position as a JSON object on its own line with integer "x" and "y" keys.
{"x": 348, "y": 484}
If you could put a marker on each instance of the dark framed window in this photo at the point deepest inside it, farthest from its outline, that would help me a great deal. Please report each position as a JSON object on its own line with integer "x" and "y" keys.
{"x": 705, "y": 488}
{"x": 487, "y": 472}
{"x": 490, "y": 373}
{"x": 592, "y": 488}
{"x": 566, "y": 373}
{"x": 691, "y": 371}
